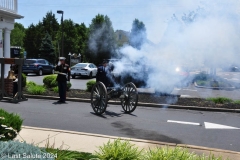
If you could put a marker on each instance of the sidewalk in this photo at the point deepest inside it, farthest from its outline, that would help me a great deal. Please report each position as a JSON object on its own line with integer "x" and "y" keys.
{"x": 85, "y": 142}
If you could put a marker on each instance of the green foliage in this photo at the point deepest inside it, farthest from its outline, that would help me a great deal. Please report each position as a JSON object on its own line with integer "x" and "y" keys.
{"x": 17, "y": 35}
{"x": 32, "y": 40}
{"x": 237, "y": 102}
{"x": 55, "y": 89}
{"x": 10, "y": 124}
{"x": 47, "y": 49}
{"x": 102, "y": 42}
{"x": 138, "y": 34}
{"x": 168, "y": 153}
{"x": 35, "y": 33}
{"x": 175, "y": 153}
{"x": 90, "y": 85}
{"x": 31, "y": 83}
{"x": 69, "y": 85}
{"x": 24, "y": 80}
{"x": 54, "y": 83}
{"x": 23, "y": 151}
{"x": 118, "y": 149}
{"x": 50, "y": 81}
{"x": 36, "y": 90}
{"x": 220, "y": 100}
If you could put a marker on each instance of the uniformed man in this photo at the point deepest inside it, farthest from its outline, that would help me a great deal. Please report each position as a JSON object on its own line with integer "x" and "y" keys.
{"x": 103, "y": 74}
{"x": 62, "y": 78}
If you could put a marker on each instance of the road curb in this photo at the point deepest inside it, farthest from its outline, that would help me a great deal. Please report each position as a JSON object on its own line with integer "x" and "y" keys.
{"x": 135, "y": 140}
{"x": 215, "y": 88}
{"x": 142, "y": 104}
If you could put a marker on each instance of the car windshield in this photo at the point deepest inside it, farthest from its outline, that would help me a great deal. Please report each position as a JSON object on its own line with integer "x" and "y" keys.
{"x": 80, "y": 65}
{"x": 30, "y": 61}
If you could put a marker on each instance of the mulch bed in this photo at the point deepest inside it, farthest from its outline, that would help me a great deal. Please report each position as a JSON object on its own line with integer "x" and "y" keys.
{"x": 152, "y": 98}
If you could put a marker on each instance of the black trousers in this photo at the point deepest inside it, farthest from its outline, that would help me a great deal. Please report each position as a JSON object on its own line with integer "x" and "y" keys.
{"x": 62, "y": 88}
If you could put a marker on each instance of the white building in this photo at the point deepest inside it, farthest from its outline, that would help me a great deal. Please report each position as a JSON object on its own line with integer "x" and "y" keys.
{"x": 8, "y": 14}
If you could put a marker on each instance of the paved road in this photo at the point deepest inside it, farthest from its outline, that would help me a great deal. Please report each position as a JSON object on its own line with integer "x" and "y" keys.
{"x": 145, "y": 123}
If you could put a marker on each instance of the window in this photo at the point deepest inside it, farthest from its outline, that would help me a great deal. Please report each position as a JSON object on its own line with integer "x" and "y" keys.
{"x": 91, "y": 66}
{"x": 47, "y": 62}
{"x": 41, "y": 61}
{"x": 94, "y": 66}
{"x": 29, "y": 61}
{"x": 81, "y": 65}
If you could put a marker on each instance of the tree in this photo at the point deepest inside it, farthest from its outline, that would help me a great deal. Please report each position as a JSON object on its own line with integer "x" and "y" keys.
{"x": 32, "y": 40}
{"x": 47, "y": 49}
{"x": 138, "y": 34}
{"x": 70, "y": 37}
{"x": 101, "y": 43}
{"x": 82, "y": 40}
{"x": 17, "y": 35}
{"x": 50, "y": 24}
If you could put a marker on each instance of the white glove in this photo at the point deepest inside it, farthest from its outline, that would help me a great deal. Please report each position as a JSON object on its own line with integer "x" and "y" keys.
{"x": 59, "y": 63}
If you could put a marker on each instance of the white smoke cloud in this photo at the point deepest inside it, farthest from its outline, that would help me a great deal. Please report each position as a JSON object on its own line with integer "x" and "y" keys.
{"x": 211, "y": 39}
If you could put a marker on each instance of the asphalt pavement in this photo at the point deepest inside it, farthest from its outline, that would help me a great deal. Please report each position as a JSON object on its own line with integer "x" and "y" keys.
{"x": 208, "y": 129}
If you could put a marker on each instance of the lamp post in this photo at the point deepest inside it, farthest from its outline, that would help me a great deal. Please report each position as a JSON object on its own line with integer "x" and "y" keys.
{"x": 61, "y": 12}
{"x": 70, "y": 55}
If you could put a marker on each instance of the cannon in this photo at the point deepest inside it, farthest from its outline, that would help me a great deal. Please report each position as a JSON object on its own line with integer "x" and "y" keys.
{"x": 100, "y": 95}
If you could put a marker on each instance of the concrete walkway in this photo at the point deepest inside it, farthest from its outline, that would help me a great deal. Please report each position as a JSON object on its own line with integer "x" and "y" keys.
{"x": 85, "y": 142}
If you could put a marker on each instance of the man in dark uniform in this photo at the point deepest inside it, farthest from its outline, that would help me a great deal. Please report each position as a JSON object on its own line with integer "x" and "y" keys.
{"x": 103, "y": 74}
{"x": 62, "y": 78}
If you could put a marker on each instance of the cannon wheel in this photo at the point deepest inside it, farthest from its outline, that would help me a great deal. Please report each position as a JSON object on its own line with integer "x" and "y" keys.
{"x": 130, "y": 97}
{"x": 99, "y": 98}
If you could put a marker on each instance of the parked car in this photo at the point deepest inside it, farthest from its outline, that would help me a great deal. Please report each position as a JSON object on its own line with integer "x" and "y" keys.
{"x": 84, "y": 69}
{"x": 38, "y": 66}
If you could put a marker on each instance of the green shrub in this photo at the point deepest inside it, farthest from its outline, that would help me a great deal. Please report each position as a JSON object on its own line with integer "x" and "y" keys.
{"x": 175, "y": 153}
{"x": 31, "y": 83}
{"x": 118, "y": 149}
{"x": 48, "y": 81}
{"x": 54, "y": 83}
{"x": 55, "y": 89}
{"x": 168, "y": 153}
{"x": 220, "y": 100}
{"x": 24, "y": 80}
{"x": 36, "y": 90}
{"x": 69, "y": 85}
{"x": 237, "y": 102}
{"x": 90, "y": 85}
{"x": 10, "y": 123}
{"x": 19, "y": 150}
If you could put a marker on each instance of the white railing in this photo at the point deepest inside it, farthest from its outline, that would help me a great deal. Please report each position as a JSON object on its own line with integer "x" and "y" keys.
{"x": 9, "y": 5}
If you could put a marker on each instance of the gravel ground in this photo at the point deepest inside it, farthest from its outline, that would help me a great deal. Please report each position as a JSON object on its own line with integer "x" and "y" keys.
{"x": 151, "y": 98}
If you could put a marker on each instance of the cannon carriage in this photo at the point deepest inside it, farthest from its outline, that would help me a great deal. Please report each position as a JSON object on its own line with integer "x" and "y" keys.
{"x": 101, "y": 94}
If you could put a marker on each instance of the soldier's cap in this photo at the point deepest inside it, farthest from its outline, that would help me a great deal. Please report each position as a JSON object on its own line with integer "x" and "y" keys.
{"x": 104, "y": 62}
{"x": 62, "y": 58}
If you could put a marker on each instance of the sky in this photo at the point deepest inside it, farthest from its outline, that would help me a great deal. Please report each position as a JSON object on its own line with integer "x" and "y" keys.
{"x": 154, "y": 14}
